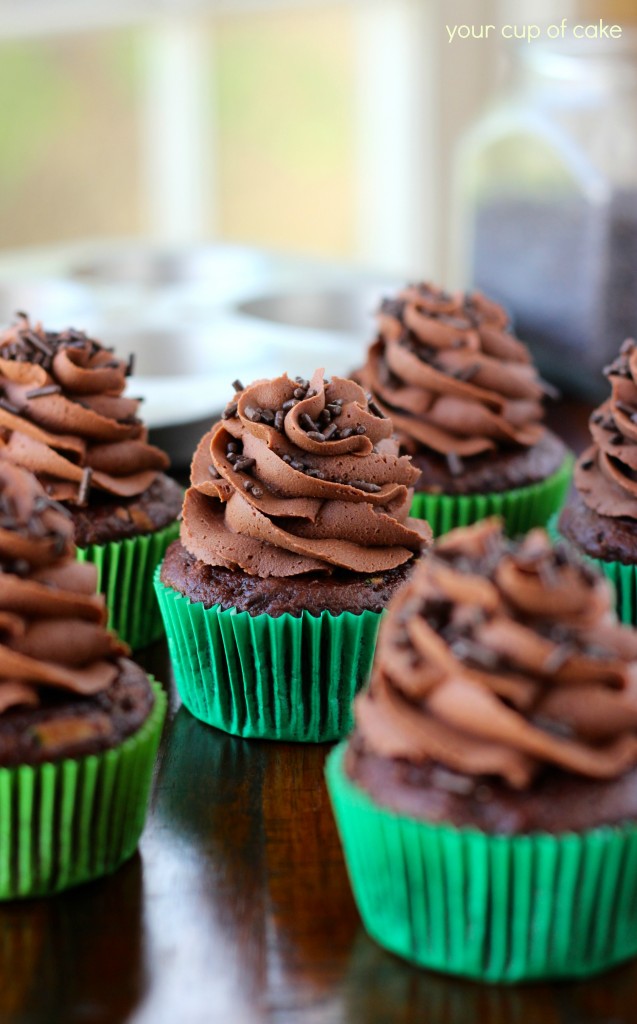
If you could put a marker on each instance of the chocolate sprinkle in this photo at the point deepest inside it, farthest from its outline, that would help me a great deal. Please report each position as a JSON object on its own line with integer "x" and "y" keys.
{"x": 49, "y": 389}
{"x": 558, "y": 658}
{"x": 375, "y": 408}
{"x": 365, "y": 485}
{"x": 9, "y": 406}
{"x": 39, "y": 343}
{"x": 455, "y": 464}
{"x": 85, "y": 486}
{"x": 307, "y": 422}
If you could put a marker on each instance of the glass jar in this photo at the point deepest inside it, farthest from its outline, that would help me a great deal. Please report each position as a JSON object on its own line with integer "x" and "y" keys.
{"x": 547, "y": 189}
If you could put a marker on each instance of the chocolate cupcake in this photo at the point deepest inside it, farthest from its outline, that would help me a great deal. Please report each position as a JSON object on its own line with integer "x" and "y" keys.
{"x": 487, "y": 800}
{"x": 63, "y": 416}
{"x": 295, "y": 534}
{"x": 600, "y": 518}
{"x": 466, "y": 402}
{"x": 79, "y": 722}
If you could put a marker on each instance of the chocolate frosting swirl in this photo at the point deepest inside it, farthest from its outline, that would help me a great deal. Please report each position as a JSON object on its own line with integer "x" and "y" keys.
{"x": 606, "y": 473}
{"x": 451, "y": 376}
{"x": 52, "y": 623}
{"x": 500, "y": 659}
{"x": 301, "y": 476}
{"x": 63, "y": 415}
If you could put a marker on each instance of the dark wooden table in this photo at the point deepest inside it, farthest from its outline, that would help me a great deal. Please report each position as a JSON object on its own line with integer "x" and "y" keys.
{"x": 238, "y": 909}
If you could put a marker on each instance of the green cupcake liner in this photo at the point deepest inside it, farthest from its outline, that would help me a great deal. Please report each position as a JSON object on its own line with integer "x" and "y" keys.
{"x": 280, "y": 677}
{"x": 125, "y": 571}
{"x": 494, "y": 908}
{"x": 623, "y": 577}
{"x": 68, "y": 822}
{"x": 522, "y": 508}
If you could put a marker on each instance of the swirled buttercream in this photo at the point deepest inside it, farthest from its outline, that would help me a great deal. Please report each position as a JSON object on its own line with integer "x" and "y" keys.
{"x": 501, "y": 658}
{"x": 451, "y": 376}
{"x": 606, "y": 473}
{"x": 63, "y": 415}
{"x": 300, "y": 477}
{"x": 52, "y": 623}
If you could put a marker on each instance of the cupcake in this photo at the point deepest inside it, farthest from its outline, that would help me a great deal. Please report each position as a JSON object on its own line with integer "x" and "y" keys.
{"x": 294, "y": 536}
{"x": 63, "y": 416}
{"x": 600, "y": 518}
{"x": 487, "y": 798}
{"x": 466, "y": 402}
{"x": 79, "y": 722}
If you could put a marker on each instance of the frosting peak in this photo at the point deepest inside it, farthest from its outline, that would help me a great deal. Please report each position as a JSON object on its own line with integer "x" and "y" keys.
{"x": 606, "y": 473}
{"x": 301, "y": 476}
{"x": 451, "y": 375}
{"x": 499, "y": 658}
{"x": 52, "y": 623}
{"x": 64, "y": 417}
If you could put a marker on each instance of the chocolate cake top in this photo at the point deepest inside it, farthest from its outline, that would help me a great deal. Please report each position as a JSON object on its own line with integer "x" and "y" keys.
{"x": 64, "y": 417}
{"x": 606, "y": 473}
{"x": 452, "y": 376}
{"x": 499, "y": 658}
{"x": 52, "y": 623}
{"x": 302, "y": 476}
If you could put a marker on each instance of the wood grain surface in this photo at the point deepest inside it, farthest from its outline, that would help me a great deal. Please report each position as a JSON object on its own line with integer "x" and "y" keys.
{"x": 237, "y": 909}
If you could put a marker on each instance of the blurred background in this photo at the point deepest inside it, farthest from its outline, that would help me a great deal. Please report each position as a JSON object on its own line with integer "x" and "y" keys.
{"x": 309, "y": 127}
{"x": 223, "y": 183}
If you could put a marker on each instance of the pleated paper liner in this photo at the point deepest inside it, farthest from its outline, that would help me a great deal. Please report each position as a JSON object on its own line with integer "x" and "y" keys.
{"x": 67, "y": 822}
{"x": 522, "y": 508}
{"x": 280, "y": 677}
{"x": 623, "y": 577}
{"x": 493, "y": 908}
{"x": 125, "y": 571}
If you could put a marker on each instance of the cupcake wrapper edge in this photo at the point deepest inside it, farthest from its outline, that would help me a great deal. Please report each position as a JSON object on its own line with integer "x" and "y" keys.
{"x": 522, "y": 508}
{"x": 125, "y": 571}
{"x": 271, "y": 677}
{"x": 623, "y": 577}
{"x": 489, "y": 907}
{"x": 70, "y": 821}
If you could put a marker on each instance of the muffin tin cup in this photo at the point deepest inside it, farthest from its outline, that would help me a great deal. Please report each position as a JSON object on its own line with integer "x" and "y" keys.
{"x": 270, "y": 677}
{"x": 489, "y": 907}
{"x": 623, "y": 577}
{"x": 70, "y": 821}
{"x": 521, "y": 508}
{"x": 125, "y": 571}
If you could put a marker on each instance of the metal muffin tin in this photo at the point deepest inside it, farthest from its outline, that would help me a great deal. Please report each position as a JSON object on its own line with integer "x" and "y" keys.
{"x": 196, "y": 318}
